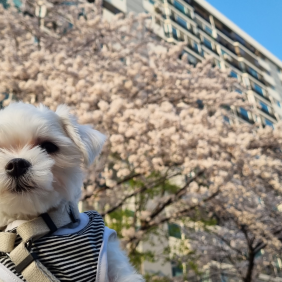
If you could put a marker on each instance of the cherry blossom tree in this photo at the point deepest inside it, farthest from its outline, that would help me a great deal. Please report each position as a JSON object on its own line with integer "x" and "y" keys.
{"x": 175, "y": 152}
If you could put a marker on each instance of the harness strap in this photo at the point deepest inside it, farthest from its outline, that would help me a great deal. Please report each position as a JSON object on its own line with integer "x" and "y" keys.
{"x": 43, "y": 225}
{"x": 7, "y": 241}
{"x": 26, "y": 263}
{"x": 30, "y": 268}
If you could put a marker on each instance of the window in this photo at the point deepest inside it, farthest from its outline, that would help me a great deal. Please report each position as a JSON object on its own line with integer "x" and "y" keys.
{"x": 191, "y": 59}
{"x": 208, "y": 30}
{"x": 177, "y": 271}
{"x": 258, "y": 89}
{"x": 278, "y": 69}
{"x": 195, "y": 46}
{"x": 244, "y": 113}
{"x": 174, "y": 33}
{"x": 239, "y": 39}
{"x": 278, "y": 104}
{"x": 239, "y": 91}
{"x": 199, "y": 23}
{"x": 200, "y": 104}
{"x": 258, "y": 254}
{"x": 174, "y": 230}
{"x": 233, "y": 74}
{"x": 253, "y": 72}
{"x": 152, "y": 2}
{"x": 207, "y": 43}
{"x": 179, "y": 6}
{"x": 188, "y": 13}
{"x": 268, "y": 123}
{"x": 264, "y": 107}
{"x": 182, "y": 22}
{"x": 226, "y": 119}
{"x": 181, "y": 36}
{"x": 272, "y": 87}
{"x": 17, "y": 3}
{"x": 242, "y": 52}
{"x": 6, "y": 96}
{"x": 223, "y": 277}
{"x": 223, "y": 52}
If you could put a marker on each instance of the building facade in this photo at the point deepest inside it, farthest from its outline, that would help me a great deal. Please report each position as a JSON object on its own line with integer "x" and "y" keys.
{"x": 207, "y": 32}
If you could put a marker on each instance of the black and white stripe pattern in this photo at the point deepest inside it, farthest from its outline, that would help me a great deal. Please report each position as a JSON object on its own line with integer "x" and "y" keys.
{"x": 70, "y": 258}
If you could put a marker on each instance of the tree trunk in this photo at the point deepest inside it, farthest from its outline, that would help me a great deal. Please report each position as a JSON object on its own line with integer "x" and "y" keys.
{"x": 251, "y": 265}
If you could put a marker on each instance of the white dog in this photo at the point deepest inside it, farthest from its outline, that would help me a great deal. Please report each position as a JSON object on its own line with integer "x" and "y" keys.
{"x": 41, "y": 158}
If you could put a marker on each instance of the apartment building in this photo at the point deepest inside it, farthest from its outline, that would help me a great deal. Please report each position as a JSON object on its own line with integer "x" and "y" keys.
{"x": 207, "y": 32}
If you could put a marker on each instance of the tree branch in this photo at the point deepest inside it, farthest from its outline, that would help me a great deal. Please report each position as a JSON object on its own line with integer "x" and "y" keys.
{"x": 179, "y": 193}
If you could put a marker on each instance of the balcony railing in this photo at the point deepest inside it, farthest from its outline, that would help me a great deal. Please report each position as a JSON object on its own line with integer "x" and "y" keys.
{"x": 261, "y": 95}
{"x": 202, "y": 29}
{"x": 193, "y": 49}
{"x": 186, "y": 14}
{"x": 210, "y": 48}
{"x": 189, "y": 30}
{"x": 227, "y": 46}
{"x": 247, "y": 119}
{"x": 225, "y": 32}
{"x": 232, "y": 63}
{"x": 203, "y": 17}
{"x": 254, "y": 76}
{"x": 268, "y": 113}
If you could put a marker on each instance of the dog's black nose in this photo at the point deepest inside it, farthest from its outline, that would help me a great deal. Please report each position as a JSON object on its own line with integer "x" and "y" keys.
{"x": 17, "y": 167}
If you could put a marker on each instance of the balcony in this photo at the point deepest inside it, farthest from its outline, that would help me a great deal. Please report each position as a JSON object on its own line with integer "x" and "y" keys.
{"x": 245, "y": 118}
{"x": 193, "y": 49}
{"x": 172, "y": 17}
{"x": 255, "y": 76}
{"x": 179, "y": 8}
{"x": 261, "y": 95}
{"x": 268, "y": 113}
{"x": 227, "y": 45}
{"x": 180, "y": 26}
{"x": 209, "y": 48}
{"x": 234, "y": 64}
{"x": 226, "y": 33}
{"x": 264, "y": 64}
{"x": 206, "y": 32}
{"x": 269, "y": 79}
{"x": 202, "y": 16}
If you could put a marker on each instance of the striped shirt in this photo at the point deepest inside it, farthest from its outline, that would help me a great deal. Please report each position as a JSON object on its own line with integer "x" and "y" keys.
{"x": 70, "y": 258}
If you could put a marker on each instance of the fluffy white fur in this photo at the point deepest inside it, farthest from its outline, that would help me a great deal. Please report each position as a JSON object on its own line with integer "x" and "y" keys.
{"x": 120, "y": 269}
{"x": 53, "y": 179}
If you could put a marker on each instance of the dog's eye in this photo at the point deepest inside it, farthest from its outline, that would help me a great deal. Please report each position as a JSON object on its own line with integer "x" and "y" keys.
{"x": 49, "y": 147}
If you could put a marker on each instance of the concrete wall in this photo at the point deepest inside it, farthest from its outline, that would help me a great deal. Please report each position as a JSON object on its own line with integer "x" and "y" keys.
{"x": 134, "y": 6}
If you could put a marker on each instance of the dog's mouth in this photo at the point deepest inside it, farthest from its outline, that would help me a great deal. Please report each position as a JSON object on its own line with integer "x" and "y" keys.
{"x": 19, "y": 187}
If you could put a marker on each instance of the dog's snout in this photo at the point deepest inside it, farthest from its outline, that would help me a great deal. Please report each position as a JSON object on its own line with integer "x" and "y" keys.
{"x": 17, "y": 167}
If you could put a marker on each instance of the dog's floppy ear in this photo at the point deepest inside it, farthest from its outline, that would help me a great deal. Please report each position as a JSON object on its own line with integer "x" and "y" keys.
{"x": 89, "y": 141}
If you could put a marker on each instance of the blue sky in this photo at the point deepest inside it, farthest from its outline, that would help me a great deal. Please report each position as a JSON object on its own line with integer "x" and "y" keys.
{"x": 261, "y": 19}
